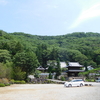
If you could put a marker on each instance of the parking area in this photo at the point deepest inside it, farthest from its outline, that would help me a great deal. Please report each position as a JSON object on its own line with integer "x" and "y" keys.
{"x": 50, "y": 92}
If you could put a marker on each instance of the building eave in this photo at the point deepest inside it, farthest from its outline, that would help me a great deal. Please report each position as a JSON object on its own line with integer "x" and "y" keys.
{"x": 75, "y": 71}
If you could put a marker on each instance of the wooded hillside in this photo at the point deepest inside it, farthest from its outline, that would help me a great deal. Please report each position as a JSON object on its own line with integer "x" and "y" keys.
{"x": 26, "y": 52}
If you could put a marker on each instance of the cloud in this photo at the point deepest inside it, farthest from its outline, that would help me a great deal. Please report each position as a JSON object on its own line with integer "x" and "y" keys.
{"x": 91, "y": 12}
{"x": 3, "y": 2}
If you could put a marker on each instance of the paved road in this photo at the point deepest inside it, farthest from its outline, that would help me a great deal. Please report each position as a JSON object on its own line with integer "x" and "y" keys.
{"x": 49, "y": 92}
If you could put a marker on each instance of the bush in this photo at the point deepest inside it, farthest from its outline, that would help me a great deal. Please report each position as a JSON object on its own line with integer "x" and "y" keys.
{"x": 0, "y": 80}
{"x": 37, "y": 72}
{"x": 2, "y": 85}
{"x": 12, "y": 81}
{"x": 7, "y": 84}
{"x": 90, "y": 80}
{"x": 19, "y": 82}
{"x": 22, "y": 82}
{"x": 50, "y": 76}
{"x": 5, "y": 81}
{"x": 18, "y": 74}
{"x": 63, "y": 78}
{"x": 48, "y": 81}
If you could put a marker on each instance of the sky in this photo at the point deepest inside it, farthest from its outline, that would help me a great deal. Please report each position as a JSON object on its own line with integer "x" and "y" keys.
{"x": 50, "y": 17}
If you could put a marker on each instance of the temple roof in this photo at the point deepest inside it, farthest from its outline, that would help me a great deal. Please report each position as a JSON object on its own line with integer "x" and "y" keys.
{"x": 74, "y": 64}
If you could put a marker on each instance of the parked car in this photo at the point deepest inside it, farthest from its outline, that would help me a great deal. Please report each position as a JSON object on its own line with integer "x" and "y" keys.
{"x": 74, "y": 82}
{"x": 98, "y": 79}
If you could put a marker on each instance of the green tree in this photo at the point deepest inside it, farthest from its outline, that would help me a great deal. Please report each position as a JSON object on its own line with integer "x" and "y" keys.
{"x": 58, "y": 68}
{"x": 5, "y": 72}
{"x": 31, "y": 62}
{"x": 85, "y": 65}
{"x": 51, "y": 66}
{"x": 92, "y": 63}
{"x": 26, "y": 61}
{"x": 4, "y": 56}
{"x": 2, "y": 71}
{"x": 18, "y": 47}
{"x": 9, "y": 69}
{"x": 5, "y": 46}
{"x": 18, "y": 74}
{"x": 54, "y": 54}
{"x": 50, "y": 75}
{"x": 37, "y": 73}
{"x": 42, "y": 55}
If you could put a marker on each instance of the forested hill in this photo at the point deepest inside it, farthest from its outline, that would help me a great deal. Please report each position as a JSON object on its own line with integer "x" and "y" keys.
{"x": 76, "y": 47}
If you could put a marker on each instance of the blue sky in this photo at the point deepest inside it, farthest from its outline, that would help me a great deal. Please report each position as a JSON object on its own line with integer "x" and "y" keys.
{"x": 50, "y": 17}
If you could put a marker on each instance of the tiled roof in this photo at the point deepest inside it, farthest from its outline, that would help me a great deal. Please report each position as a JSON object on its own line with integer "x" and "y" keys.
{"x": 74, "y": 64}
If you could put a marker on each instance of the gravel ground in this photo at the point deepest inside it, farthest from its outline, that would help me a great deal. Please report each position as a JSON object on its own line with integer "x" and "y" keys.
{"x": 49, "y": 92}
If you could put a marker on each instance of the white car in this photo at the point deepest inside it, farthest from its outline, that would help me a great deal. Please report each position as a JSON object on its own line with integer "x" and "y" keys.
{"x": 74, "y": 82}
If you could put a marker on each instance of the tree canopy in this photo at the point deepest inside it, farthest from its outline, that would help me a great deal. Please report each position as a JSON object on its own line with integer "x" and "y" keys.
{"x": 27, "y": 52}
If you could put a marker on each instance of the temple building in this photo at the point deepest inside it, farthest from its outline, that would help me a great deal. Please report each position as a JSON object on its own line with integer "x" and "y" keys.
{"x": 73, "y": 69}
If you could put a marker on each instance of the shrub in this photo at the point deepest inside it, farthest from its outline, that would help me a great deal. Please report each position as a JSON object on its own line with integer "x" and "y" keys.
{"x": 5, "y": 81}
{"x": 37, "y": 72}
{"x": 18, "y": 74}
{"x": 7, "y": 84}
{"x": 2, "y": 85}
{"x": 2, "y": 70}
{"x": 19, "y": 82}
{"x": 90, "y": 80}
{"x": 63, "y": 78}
{"x": 50, "y": 76}
{"x": 12, "y": 81}
{"x": 48, "y": 81}
{"x": 0, "y": 80}
{"x": 22, "y": 82}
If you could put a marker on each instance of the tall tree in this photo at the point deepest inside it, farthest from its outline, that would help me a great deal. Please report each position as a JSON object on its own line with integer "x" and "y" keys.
{"x": 18, "y": 47}
{"x": 54, "y": 53}
{"x": 51, "y": 66}
{"x": 5, "y": 71}
{"x": 4, "y": 56}
{"x": 26, "y": 61}
{"x": 18, "y": 74}
{"x": 58, "y": 68}
{"x": 42, "y": 55}
{"x": 2, "y": 70}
